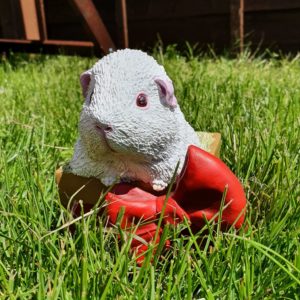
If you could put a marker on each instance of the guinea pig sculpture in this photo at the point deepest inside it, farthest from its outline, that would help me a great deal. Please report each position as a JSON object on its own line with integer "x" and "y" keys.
{"x": 131, "y": 127}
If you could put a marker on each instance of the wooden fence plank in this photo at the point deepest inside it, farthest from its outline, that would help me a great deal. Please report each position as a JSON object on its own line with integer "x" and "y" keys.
{"x": 212, "y": 31}
{"x": 269, "y": 5}
{"x": 94, "y": 23}
{"x": 270, "y": 24}
{"x": 11, "y": 26}
{"x": 30, "y": 19}
{"x": 121, "y": 20}
{"x": 237, "y": 24}
{"x": 42, "y": 20}
{"x": 176, "y": 9}
{"x": 274, "y": 30}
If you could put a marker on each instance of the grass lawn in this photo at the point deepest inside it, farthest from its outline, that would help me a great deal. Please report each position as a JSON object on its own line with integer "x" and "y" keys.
{"x": 254, "y": 103}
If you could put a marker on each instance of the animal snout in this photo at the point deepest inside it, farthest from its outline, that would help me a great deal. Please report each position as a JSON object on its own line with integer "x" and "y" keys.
{"x": 104, "y": 127}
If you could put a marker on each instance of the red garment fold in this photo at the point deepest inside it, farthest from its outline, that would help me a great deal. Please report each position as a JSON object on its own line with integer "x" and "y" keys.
{"x": 198, "y": 195}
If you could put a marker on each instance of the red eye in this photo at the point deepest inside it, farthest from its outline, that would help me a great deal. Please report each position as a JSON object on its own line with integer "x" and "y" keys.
{"x": 141, "y": 100}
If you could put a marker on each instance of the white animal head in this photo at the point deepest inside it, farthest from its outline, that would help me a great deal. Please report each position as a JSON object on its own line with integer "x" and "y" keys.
{"x": 130, "y": 108}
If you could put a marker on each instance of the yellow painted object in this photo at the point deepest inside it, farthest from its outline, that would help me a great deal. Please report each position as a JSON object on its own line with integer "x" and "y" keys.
{"x": 211, "y": 142}
{"x": 73, "y": 187}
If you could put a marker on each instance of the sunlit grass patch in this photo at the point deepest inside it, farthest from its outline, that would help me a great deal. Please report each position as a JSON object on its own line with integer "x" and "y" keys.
{"x": 254, "y": 103}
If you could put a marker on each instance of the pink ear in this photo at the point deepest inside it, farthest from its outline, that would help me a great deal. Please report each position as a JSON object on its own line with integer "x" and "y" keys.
{"x": 166, "y": 91}
{"x": 85, "y": 79}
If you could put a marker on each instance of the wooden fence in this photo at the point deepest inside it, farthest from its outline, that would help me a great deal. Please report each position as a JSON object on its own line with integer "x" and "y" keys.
{"x": 97, "y": 26}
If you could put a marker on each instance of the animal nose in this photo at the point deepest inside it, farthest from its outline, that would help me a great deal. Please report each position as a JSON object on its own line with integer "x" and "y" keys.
{"x": 104, "y": 127}
{"x": 107, "y": 128}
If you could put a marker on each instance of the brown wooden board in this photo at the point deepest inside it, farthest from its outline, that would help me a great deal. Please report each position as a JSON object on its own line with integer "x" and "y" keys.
{"x": 94, "y": 24}
{"x": 30, "y": 19}
{"x": 206, "y": 30}
{"x": 52, "y": 47}
{"x": 273, "y": 29}
{"x": 11, "y": 22}
{"x": 268, "y": 23}
{"x": 157, "y": 9}
{"x": 66, "y": 24}
{"x": 267, "y": 5}
{"x": 205, "y": 22}
{"x": 237, "y": 24}
{"x": 121, "y": 23}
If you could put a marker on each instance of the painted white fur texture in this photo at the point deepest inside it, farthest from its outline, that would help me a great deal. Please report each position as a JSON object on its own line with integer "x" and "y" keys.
{"x": 120, "y": 140}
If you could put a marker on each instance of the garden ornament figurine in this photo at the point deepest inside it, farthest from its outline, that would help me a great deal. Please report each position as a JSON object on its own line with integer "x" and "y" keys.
{"x": 132, "y": 135}
{"x": 131, "y": 127}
